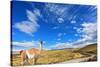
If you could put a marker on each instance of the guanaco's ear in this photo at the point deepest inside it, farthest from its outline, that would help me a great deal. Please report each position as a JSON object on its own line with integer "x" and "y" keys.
{"x": 41, "y": 42}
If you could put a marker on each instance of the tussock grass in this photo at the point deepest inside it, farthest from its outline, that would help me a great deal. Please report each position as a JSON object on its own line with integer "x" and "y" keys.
{"x": 50, "y": 57}
{"x": 57, "y": 56}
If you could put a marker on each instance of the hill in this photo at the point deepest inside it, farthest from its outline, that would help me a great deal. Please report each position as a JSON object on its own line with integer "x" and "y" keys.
{"x": 62, "y": 55}
{"x": 89, "y": 48}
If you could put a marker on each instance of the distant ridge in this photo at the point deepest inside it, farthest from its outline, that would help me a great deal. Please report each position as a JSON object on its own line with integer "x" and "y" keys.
{"x": 91, "y": 47}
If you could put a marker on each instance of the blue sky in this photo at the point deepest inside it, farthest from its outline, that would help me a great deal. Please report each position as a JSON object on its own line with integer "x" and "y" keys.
{"x": 58, "y": 25}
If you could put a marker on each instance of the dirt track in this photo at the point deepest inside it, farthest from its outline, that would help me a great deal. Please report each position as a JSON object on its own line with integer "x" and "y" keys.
{"x": 79, "y": 60}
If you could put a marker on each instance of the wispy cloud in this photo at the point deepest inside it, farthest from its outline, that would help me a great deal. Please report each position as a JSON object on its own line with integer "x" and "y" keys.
{"x": 25, "y": 44}
{"x": 26, "y": 27}
{"x": 73, "y": 21}
{"x": 70, "y": 13}
{"x": 37, "y": 12}
{"x": 79, "y": 30}
{"x": 89, "y": 30}
{"x": 59, "y": 10}
{"x": 62, "y": 45}
{"x": 61, "y": 34}
{"x": 77, "y": 44}
{"x": 89, "y": 36}
{"x": 60, "y": 20}
{"x": 65, "y": 21}
{"x": 31, "y": 25}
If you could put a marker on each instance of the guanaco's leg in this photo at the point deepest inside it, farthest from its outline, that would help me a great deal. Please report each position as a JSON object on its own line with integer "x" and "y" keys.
{"x": 23, "y": 58}
{"x": 35, "y": 60}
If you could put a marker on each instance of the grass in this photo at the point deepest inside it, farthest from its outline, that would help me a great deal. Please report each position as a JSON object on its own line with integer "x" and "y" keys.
{"x": 57, "y": 56}
{"x": 89, "y": 48}
{"x": 50, "y": 57}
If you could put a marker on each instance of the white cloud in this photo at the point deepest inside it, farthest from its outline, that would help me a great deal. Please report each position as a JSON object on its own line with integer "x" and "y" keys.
{"x": 17, "y": 46}
{"x": 59, "y": 10}
{"x": 76, "y": 44}
{"x": 79, "y": 30}
{"x": 73, "y": 21}
{"x": 62, "y": 45}
{"x": 37, "y": 12}
{"x": 29, "y": 26}
{"x": 89, "y": 27}
{"x": 52, "y": 7}
{"x": 60, "y": 20}
{"x": 89, "y": 35}
{"x": 31, "y": 16}
{"x": 25, "y": 44}
{"x": 89, "y": 30}
{"x": 81, "y": 43}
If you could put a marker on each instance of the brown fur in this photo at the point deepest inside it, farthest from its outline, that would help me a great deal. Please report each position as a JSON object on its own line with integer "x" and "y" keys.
{"x": 34, "y": 51}
{"x": 31, "y": 51}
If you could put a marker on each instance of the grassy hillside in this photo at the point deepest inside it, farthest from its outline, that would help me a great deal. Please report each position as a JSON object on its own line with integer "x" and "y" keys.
{"x": 50, "y": 57}
{"x": 88, "y": 51}
{"x": 92, "y": 48}
{"x": 56, "y": 56}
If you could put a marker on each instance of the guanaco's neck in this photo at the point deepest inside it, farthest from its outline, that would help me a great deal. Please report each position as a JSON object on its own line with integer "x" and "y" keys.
{"x": 40, "y": 46}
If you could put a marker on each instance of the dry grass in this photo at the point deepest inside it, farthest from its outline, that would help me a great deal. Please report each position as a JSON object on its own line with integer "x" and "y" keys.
{"x": 50, "y": 57}
{"x": 57, "y": 56}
